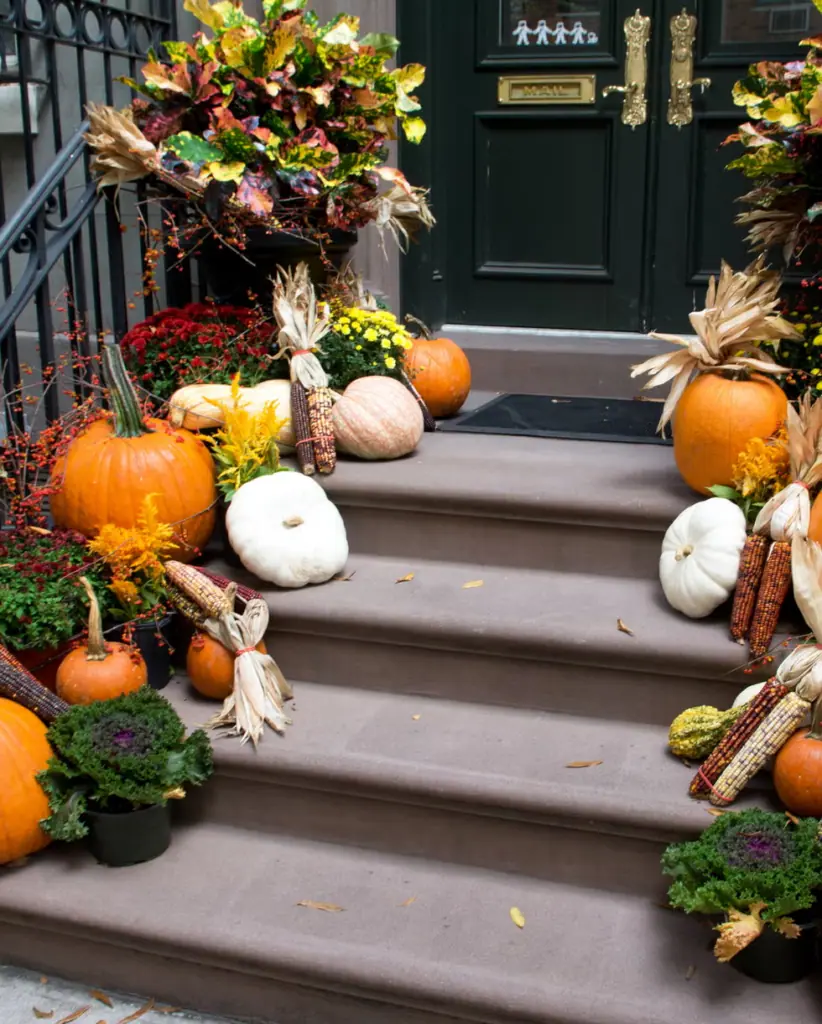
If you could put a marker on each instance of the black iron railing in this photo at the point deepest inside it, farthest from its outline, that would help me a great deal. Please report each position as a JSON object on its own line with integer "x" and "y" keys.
{"x": 71, "y": 259}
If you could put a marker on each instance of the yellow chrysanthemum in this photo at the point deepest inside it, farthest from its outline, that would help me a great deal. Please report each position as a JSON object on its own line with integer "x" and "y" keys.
{"x": 370, "y": 334}
{"x": 763, "y": 467}
{"x": 390, "y": 362}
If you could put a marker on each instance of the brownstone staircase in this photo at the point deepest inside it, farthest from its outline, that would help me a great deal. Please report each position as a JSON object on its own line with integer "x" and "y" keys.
{"x": 424, "y": 787}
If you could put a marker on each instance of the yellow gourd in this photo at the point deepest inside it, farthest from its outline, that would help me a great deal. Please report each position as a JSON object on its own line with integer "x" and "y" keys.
{"x": 193, "y": 406}
{"x": 697, "y": 731}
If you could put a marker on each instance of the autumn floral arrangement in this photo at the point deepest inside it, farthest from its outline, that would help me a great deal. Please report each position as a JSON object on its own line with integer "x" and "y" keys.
{"x": 282, "y": 123}
{"x": 756, "y": 868}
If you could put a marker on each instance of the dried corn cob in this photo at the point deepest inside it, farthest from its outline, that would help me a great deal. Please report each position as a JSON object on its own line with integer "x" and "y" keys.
{"x": 751, "y": 567}
{"x": 735, "y": 738}
{"x": 429, "y": 423}
{"x": 185, "y": 606}
{"x": 212, "y": 601}
{"x": 302, "y": 429}
{"x": 19, "y": 685}
{"x": 320, "y": 404}
{"x": 243, "y": 592}
{"x": 769, "y": 738}
{"x": 773, "y": 589}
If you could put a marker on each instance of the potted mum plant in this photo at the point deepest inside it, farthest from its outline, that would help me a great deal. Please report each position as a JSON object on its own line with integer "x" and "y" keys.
{"x": 116, "y": 765}
{"x": 762, "y": 872}
{"x": 275, "y": 134}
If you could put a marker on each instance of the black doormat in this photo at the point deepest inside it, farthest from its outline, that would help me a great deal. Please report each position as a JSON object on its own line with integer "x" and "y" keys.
{"x": 582, "y": 419}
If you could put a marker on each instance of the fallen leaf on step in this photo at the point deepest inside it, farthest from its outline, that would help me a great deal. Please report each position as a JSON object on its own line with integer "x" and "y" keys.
{"x": 329, "y": 908}
{"x": 687, "y": 763}
{"x": 44, "y": 980}
{"x": 42, "y": 1014}
{"x": 339, "y": 578}
{"x": 409, "y": 901}
{"x": 583, "y": 764}
{"x": 405, "y": 579}
{"x": 138, "y": 1013}
{"x": 74, "y": 1016}
{"x": 690, "y": 972}
{"x": 473, "y": 584}
{"x": 416, "y": 718}
{"x": 624, "y": 629}
{"x": 792, "y": 818}
{"x": 715, "y": 811}
{"x": 101, "y": 997}
{"x": 517, "y": 917}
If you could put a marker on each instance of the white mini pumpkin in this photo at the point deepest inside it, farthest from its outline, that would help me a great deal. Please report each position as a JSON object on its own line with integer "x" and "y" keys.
{"x": 377, "y": 418}
{"x": 285, "y": 530}
{"x": 699, "y": 564}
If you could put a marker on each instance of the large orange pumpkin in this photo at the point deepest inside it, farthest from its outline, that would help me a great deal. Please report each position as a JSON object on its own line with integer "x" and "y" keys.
{"x": 797, "y": 772}
{"x": 440, "y": 371}
{"x": 112, "y": 466}
{"x": 210, "y": 666}
{"x": 714, "y": 420}
{"x": 24, "y": 751}
{"x": 99, "y": 671}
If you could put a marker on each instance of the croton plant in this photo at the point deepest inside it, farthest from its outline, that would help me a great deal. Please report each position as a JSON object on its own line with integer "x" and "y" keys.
{"x": 282, "y": 121}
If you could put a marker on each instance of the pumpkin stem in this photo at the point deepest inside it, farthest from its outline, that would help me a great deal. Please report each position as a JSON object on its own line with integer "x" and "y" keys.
{"x": 426, "y": 331}
{"x": 683, "y": 553}
{"x": 289, "y": 524}
{"x": 96, "y": 648}
{"x": 128, "y": 420}
{"x": 815, "y": 732}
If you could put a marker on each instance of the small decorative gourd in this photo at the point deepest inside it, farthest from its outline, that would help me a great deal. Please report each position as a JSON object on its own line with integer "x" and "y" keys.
{"x": 696, "y": 732}
{"x": 377, "y": 418}
{"x": 193, "y": 406}
{"x": 285, "y": 530}
{"x": 24, "y": 751}
{"x": 99, "y": 671}
{"x": 210, "y": 666}
{"x": 699, "y": 564}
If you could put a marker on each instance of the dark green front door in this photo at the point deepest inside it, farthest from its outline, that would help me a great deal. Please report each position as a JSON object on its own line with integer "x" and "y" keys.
{"x": 563, "y": 203}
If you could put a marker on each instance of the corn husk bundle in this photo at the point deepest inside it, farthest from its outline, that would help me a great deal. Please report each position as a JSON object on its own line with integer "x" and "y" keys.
{"x": 303, "y": 323}
{"x": 740, "y": 314}
{"x": 260, "y": 688}
{"x": 400, "y": 212}
{"x": 765, "y": 566}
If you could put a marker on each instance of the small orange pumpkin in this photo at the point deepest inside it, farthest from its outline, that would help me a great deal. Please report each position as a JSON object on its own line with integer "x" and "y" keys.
{"x": 815, "y": 527}
{"x": 797, "y": 770}
{"x": 714, "y": 420}
{"x": 99, "y": 671}
{"x": 210, "y": 666}
{"x": 113, "y": 465}
{"x": 24, "y": 751}
{"x": 440, "y": 372}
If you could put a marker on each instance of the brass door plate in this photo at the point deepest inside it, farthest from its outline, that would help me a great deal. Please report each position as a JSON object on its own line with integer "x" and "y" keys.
{"x": 546, "y": 90}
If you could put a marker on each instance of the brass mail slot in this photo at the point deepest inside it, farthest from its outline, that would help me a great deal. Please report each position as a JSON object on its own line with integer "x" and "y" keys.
{"x": 545, "y": 89}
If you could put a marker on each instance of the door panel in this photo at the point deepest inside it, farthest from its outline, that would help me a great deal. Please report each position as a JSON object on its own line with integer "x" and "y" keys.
{"x": 695, "y": 199}
{"x": 534, "y": 233}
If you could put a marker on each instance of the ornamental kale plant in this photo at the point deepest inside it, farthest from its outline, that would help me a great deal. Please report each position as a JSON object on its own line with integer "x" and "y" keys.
{"x": 119, "y": 755}
{"x": 747, "y": 858}
{"x": 42, "y": 602}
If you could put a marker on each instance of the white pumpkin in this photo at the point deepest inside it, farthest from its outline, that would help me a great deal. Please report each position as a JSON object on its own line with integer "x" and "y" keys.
{"x": 377, "y": 418}
{"x": 699, "y": 564}
{"x": 285, "y": 530}
{"x": 748, "y": 694}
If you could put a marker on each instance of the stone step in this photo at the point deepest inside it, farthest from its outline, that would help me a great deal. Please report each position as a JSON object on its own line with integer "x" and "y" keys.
{"x": 525, "y": 638}
{"x": 570, "y": 506}
{"x": 215, "y": 925}
{"x": 459, "y": 783}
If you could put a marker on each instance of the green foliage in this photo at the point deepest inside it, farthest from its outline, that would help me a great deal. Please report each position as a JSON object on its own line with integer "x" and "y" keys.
{"x": 745, "y": 858}
{"x": 42, "y": 602}
{"x": 125, "y": 753}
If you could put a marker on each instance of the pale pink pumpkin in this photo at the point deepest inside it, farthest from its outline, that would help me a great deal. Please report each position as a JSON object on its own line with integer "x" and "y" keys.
{"x": 377, "y": 418}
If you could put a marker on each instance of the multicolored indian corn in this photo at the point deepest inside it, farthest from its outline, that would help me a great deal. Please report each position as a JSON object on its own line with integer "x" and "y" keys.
{"x": 768, "y": 740}
{"x": 199, "y": 589}
{"x": 736, "y": 737}
{"x": 751, "y": 567}
{"x": 320, "y": 404}
{"x": 243, "y": 592}
{"x": 773, "y": 589}
{"x": 302, "y": 429}
{"x": 19, "y": 685}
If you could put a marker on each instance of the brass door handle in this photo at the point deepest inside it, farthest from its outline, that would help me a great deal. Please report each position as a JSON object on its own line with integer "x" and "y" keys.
{"x": 683, "y": 37}
{"x": 634, "y": 106}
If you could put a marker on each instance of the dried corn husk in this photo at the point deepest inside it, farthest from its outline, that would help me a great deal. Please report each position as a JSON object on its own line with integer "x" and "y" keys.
{"x": 260, "y": 688}
{"x": 806, "y": 568}
{"x": 740, "y": 313}
{"x": 121, "y": 152}
{"x": 349, "y": 288}
{"x": 303, "y": 323}
{"x": 400, "y": 212}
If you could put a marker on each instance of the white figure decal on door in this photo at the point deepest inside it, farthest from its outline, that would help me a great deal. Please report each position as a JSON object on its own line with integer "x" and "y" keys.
{"x": 561, "y": 34}
{"x": 593, "y": 39}
{"x": 543, "y": 33}
{"x": 522, "y": 34}
{"x": 579, "y": 36}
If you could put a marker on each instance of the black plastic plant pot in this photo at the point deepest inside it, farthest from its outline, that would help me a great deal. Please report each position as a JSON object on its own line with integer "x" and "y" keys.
{"x": 155, "y": 649}
{"x": 229, "y": 555}
{"x": 120, "y": 839}
{"x": 775, "y": 960}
